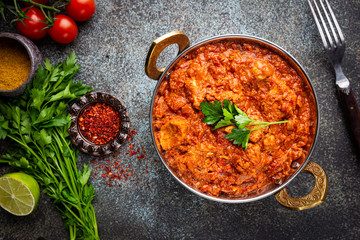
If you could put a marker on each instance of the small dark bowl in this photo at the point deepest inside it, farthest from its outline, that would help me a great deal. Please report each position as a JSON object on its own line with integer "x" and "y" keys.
{"x": 75, "y": 133}
{"x": 35, "y": 59}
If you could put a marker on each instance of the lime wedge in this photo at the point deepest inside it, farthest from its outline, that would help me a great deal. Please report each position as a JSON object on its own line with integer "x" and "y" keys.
{"x": 19, "y": 193}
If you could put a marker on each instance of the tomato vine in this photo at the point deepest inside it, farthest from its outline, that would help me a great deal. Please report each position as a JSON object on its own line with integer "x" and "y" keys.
{"x": 15, "y": 7}
{"x": 35, "y": 18}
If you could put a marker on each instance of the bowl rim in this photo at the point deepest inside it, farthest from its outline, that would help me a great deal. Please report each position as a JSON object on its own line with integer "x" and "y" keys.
{"x": 20, "y": 39}
{"x": 280, "y": 51}
{"x": 80, "y": 141}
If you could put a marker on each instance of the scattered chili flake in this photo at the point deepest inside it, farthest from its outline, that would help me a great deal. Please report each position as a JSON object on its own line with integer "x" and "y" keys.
{"x": 99, "y": 123}
{"x": 113, "y": 170}
{"x": 131, "y": 135}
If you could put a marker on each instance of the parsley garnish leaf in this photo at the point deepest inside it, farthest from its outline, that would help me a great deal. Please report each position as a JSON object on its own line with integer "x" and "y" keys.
{"x": 222, "y": 123}
{"x": 239, "y": 136}
{"x": 242, "y": 120}
{"x": 213, "y": 111}
{"x": 227, "y": 114}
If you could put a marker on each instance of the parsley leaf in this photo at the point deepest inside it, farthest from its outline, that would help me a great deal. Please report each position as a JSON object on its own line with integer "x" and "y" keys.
{"x": 38, "y": 97}
{"x": 213, "y": 111}
{"x": 239, "y": 136}
{"x": 242, "y": 120}
{"x": 222, "y": 123}
{"x": 227, "y": 114}
{"x": 36, "y": 123}
{"x": 4, "y": 126}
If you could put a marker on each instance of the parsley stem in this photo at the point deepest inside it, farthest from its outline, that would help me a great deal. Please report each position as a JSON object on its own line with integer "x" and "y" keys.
{"x": 79, "y": 220}
{"x": 72, "y": 231}
{"x": 43, "y": 149}
{"x": 264, "y": 124}
{"x": 72, "y": 153}
{"x": 68, "y": 169}
{"x": 253, "y": 123}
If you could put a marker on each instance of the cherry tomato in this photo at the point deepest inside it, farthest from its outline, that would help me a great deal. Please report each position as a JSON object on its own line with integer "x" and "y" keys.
{"x": 64, "y": 29}
{"x": 32, "y": 28}
{"x": 44, "y": 2}
{"x": 80, "y": 10}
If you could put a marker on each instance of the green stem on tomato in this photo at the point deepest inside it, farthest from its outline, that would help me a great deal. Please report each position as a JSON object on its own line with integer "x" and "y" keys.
{"x": 40, "y": 5}
{"x": 46, "y": 16}
{"x": 62, "y": 5}
{"x": 20, "y": 13}
{"x": 52, "y": 10}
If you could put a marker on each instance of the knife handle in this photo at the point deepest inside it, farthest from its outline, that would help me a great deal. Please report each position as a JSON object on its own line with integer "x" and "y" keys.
{"x": 352, "y": 113}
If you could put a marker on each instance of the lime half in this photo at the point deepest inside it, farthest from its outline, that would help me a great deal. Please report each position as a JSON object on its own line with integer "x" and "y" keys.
{"x": 19, "y": 193}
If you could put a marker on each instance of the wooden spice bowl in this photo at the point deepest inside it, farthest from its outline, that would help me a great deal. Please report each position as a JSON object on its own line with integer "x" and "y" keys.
{"x": 84, "y": 144}
{"x": 35, "y": 58}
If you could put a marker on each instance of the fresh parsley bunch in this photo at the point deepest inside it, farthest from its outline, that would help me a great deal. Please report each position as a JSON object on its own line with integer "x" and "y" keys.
{"x": 36, "y": 125}
{"x": 227, "y": 114}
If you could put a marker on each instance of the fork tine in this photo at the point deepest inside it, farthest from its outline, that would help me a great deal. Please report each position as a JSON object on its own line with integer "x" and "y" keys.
{"x": 342, "y": 39}
{"x": 324, "y": 26}
{"x": 322, "y": 35}
{"x": 329, "y": 21}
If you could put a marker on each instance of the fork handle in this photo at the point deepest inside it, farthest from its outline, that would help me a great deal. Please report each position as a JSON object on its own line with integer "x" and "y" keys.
{"x": 352, "y": 113}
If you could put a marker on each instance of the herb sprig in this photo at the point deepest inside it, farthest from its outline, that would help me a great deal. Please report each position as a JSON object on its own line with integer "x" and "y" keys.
{"x": 227, "y": 114}
{"x": 36, "y": 124}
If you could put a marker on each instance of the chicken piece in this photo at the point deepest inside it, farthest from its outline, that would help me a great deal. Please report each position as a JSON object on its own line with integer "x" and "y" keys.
{"x": 187, "y": 110}
{"x": 173, "y": 132}
{"x": 175, "y": 101}
{"x": 255, "y": 136}
{"x": 160, "y": 107}
{"x": 262, "y": 69}
{"x": 269, "y": 142}
{"x": 195, "y": 91}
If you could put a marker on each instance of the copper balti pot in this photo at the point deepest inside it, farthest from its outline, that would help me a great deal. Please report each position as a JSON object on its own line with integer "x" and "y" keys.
{"x": 318, "y": 193}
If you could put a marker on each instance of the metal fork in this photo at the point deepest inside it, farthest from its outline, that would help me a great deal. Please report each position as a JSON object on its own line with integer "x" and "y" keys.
{"x": 334, "y": 43}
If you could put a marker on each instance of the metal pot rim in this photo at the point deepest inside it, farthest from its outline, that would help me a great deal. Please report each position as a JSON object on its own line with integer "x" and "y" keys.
{"x": 278, "y": 50}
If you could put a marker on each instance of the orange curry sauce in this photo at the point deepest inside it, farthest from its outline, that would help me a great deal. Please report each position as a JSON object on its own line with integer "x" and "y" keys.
{"x": 260, "y": 83}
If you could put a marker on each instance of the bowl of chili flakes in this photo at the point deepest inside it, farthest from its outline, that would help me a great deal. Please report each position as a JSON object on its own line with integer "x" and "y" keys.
{"x": 99, "y": 123}
{"x": 265, "y": 82}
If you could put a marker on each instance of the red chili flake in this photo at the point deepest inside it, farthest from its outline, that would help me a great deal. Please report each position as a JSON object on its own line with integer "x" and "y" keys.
{"x": 99, "y": 123}
{"x": 117, "y": 171}
{"x": 131, "y": 135}
{"x": 141, "y": 157}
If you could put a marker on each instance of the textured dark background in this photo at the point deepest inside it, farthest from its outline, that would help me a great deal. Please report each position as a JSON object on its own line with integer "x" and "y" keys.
{"x": 111, "y": 49}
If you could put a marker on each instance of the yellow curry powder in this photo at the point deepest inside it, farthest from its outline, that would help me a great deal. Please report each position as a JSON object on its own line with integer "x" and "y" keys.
{"x": 14, "y": 64}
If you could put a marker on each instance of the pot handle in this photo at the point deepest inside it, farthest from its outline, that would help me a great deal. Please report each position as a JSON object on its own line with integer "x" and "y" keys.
{"x": 158, "y": 46}
{"x": 314, "y": 198}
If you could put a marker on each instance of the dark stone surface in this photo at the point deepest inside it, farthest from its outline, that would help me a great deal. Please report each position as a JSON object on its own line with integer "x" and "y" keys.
{"x": 112, "y": 48}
